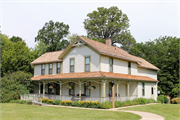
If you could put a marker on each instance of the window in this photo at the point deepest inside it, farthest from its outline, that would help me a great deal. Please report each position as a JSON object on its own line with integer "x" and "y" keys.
{"x": 72, "y": 65}
{"x": 152, "y": 90}
{"x": 50, "y": 68}
{"x": 58, "y": 68}
{"x": 86, "y": 90}
{"x": 111, "y": 64}
{"x": 110, "y": 89}
{"x": 42, "y": 69}
{"x": 87, "y": 64}
{"x": 143, "y": 89}
{"x": 129, "y": 67}
{"x": 71, "y": 91}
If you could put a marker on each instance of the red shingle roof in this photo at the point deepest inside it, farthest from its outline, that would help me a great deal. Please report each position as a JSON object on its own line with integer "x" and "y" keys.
{"x": 98, "y": 74}
{"x": 48, "y": 57}
{"x": 100, "y": 47}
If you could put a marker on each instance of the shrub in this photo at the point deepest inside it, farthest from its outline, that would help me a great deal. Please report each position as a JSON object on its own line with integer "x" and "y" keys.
{"x": 75, "y": 103}
{"x": 45, "y": 100}
{"x": 150, "y": 101}
{"x": 29, "y": 102}
{"x": 175, "y": 100}
{"x": 163, "y": 99}
{"x": 104, "y": 106}
{"x": 22, "y": 101}
{"x": 50, "y": 102}
{"x": 66, "y": 103}
{"x": 56, "y": 102}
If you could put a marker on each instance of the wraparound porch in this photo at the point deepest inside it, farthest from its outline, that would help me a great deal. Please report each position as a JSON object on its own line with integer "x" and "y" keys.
{"x": 124, "y": 90}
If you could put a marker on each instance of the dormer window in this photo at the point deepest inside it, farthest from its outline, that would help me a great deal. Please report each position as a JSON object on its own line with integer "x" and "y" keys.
{"x": 72, "y": 65}
{"x": 42, "y": 69}
{"x": 111, "y": 65}
{"x": 58, "y": 68}
{"x": 129, "y": 67}
{"x": 50, "y": 68}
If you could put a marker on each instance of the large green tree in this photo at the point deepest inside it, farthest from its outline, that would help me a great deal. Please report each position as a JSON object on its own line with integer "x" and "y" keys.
{"x": 163, "y": 53}
{"x": 15, "y": 56}
{"x": 53, "y": 34}
{"x": 15, "y": 84}
{"x": 109, "y": 23}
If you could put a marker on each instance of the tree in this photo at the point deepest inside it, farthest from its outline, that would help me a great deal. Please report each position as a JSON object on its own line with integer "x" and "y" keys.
{"x": 15, "y": 39}
{"x": 52, "y": 35}
{"x": 15, "y": 56}
{"x": 109, "y": 23}
{"x": 40, "y": 48}
{"x": 15, "y": 84}
{"x": 72, "y": 37}
{"x": 163, "y": 53}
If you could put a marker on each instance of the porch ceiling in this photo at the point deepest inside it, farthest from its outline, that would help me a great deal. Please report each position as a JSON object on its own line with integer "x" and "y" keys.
{"x": 92, "y": 75}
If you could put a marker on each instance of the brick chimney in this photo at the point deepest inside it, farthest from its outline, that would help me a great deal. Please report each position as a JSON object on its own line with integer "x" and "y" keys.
{"x": 108, "y": 41}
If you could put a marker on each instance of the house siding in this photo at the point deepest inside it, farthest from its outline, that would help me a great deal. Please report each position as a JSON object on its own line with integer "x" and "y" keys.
{"x": 105, "y": 63}
{"x": 120, "y": 66}
{"x": 79, "y": 53}
{"x": 37, "y": 70}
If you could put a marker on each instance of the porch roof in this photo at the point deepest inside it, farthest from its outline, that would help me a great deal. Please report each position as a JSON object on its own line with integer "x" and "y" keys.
{"x": 91, "y": 75}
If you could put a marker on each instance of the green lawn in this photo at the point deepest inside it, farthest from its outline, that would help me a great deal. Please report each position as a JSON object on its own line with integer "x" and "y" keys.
{"x": 34, "y": 112}
{"x": 168, "y": 111}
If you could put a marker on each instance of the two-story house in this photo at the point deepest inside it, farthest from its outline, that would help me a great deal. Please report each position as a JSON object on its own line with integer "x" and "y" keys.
{"x": 86, "y": 69}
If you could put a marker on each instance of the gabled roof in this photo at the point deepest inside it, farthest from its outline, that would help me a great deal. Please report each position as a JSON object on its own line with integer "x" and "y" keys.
{"x": 48, "y": 57}
{"x": 100, "y": 48}
{"x": 98, "y": 74}
{"x": 112, "y": 51}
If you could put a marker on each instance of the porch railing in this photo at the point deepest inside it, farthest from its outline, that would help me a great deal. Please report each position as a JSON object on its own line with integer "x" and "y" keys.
{"x": 38, "y": 97}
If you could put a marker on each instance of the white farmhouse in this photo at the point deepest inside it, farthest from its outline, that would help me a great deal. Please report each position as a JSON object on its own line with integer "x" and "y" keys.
{"x": 85, "y": 70}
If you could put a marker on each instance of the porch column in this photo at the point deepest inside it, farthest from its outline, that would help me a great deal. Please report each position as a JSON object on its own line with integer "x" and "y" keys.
{"x": 137, "y": 89}
{"x": 79, "y": 90}
{"x": 104, "y": 88}
{"x": 39, "y": 88}
{"x": 117, "y": 90}
{"x": 43, "y": 89}
{"x": 128, "y": 90}
{"x": 60, "y": 89}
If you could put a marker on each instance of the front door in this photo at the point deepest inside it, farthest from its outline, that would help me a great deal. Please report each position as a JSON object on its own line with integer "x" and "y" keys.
{"x": 152, "y": 92}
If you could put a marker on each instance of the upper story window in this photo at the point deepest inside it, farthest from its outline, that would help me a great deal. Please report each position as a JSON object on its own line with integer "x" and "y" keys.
{"x": 87, "y": 64}
{"x": 111, "y": 64}
{"x": 129, "y": 67}
{"x": 42, "y": 69}
{"x": 50, "y": 68}
{"x": 143, "y": 89}
{"x": 72, "y": 65}
{"x": 58, "y": 68}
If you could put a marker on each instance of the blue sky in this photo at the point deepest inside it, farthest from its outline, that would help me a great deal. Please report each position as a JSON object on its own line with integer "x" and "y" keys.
{"x": 148, "y": 19}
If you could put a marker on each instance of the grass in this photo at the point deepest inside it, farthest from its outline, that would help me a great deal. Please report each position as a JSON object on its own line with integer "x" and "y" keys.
{"x": 34, "y": 112}
{"x": 168, "y": 111}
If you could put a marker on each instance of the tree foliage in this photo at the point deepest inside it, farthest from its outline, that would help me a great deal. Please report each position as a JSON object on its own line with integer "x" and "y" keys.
{"x": 15, "y": 56}
{"x": 109, "y": 23}
{"x": 52, "y": 35}
{"x": 15, "y": 84}
{"x": 163, "y": 53}
{"x": 15, "y": 39}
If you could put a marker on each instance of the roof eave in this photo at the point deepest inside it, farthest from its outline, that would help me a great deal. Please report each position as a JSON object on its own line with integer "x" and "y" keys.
{"x": 149, "y": 68}
{"x": 46, "y": 62}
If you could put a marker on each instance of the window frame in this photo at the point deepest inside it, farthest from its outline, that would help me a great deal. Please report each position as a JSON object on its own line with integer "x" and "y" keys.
{"x": 87, "y": 64}
{"x": 51, "y": 69}
{"x": 70, "y": 65}
{"x": 85, "y": 88}
{"x": 129, "y": 68}
{"x": 58, "y": 68}
{"x": 42, "y": 69}
{"x": 143, "y": 89}
{"x": 72, "y": 88}
{"x": 110, "y": 64}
